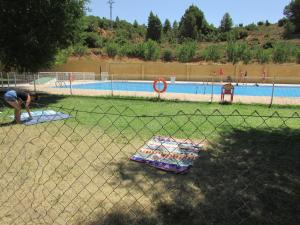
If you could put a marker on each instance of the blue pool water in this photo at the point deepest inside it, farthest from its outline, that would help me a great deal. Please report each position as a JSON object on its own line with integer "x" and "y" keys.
{"x": 194, "y": 88}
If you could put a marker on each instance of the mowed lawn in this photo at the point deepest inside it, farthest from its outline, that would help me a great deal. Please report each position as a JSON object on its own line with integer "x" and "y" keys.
{"x": 182, "y": 119}
{"x": 249, "y": 175}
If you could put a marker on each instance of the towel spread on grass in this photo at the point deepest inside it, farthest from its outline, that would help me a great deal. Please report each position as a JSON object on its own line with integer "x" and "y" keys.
{"x": 42, "y": 116}
{"x": 169, "y": 154}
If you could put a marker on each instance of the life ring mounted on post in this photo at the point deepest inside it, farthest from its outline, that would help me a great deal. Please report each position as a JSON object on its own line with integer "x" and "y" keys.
{"x": 164, "y": 83}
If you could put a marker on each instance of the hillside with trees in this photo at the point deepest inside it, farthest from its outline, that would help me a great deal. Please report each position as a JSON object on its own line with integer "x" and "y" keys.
{"x": 193, "y": 39}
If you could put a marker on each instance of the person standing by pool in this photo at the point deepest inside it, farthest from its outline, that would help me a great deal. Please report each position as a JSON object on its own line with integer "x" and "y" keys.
{"x": 15, "y": 99}
{"x": 245, "y": 76}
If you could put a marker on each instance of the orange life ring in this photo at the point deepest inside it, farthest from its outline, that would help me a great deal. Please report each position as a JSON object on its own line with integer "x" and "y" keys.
{"x": 164, "y": 88}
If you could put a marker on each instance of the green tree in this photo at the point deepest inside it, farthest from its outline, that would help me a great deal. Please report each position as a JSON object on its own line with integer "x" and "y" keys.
{"x": 175, "y": 25}
{"x": 226, "y": 23}
{"x": 167, "y": 26}
{"x": 154, "y": 28}
{"x": 193, "y": 23}
{"x": 292, "y": 12}
{"x": 135, "y": 24}
{"x": 32, "y": 32}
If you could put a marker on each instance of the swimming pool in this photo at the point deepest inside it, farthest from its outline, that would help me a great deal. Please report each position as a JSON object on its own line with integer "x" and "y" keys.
{"x": 193, "y": 88}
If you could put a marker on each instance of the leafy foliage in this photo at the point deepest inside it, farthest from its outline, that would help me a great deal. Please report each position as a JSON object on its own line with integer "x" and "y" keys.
{"x": 167, "y": 26}
{"x": 151, "y": 50}
{"x": 32, "y": 32}
{"x": 167, "y": 55}
{"x": 292, "y": 12}
{"x": 186, "y": 52}
{"x": 212, "y": 53}
{"x": 79, "y": 49}
{"x": 289, "y": 28}
{"x": 235, "y": 51}
{"x": 226, "y": 23}
{"x": 262, "y": 56}
{"x": 193, "y": 23}
{"x": 282, "y": 53}
{"x": 112, "y": 49}
{"x": 154, "y": 28}
{"x": 93, "y": 40}
{"x": 282, "y": 22}
{"x": 298, "y": 57}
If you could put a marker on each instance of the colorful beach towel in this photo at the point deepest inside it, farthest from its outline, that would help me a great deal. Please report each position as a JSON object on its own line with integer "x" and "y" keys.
{"x": 42, "y": 116}
{"x": 169, "y": 154}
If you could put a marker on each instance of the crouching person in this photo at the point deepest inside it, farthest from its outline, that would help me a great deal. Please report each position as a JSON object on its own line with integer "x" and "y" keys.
{"x": 16, "y": 99}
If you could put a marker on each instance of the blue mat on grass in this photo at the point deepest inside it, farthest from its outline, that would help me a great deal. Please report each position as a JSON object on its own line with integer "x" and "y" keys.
{"x": 42, "y": 116}
{"x": 169, "y": 154}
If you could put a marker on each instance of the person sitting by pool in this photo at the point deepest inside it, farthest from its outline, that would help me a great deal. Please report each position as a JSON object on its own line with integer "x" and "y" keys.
{"x": 16, "y": 98}
{"x": 228, "y": 89}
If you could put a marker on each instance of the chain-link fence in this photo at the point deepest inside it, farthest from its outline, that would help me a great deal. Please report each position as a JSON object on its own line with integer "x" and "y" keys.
{"x": 77, "y": 171}
{"x": 266, "y": 90}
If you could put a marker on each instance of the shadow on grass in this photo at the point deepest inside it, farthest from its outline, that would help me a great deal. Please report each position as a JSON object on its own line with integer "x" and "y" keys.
{"x": 250, "y": 177}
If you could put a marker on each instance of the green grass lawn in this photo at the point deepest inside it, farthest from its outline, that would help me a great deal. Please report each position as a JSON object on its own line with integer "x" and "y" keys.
{"x": 148, "y": 117}
{"x": 249, "y": 175}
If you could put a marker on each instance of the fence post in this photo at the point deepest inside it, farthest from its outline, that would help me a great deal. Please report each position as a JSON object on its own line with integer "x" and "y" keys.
{"x": 15, "y": 80}
{"x": 111, "y": 84}
{"x": 212, "y": 90}
{"x": 8, "y": 79}
{"x": 272, "y": 96}
{"x": 70, "y": 79}
{"x": 143, "y": 71}
{"x": 2, "y": 79}
{"x": 34, "y": 83}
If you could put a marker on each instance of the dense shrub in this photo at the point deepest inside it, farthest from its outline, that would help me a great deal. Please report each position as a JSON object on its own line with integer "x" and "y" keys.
{"x": 212, "y": 53}
{"x": 298, "y": 57}
{"x": 112, "y": 49}
{"x": 97, "y": 51}
{"x": 267, "y": 45}
{"x": 62, "y": 56}
{"x": 93, "y": 40}
{"x": 251, "y": 27}
{"x": 79, "y": 49}
{"x": 186, "y": 52}
{"x": 262, "y": 56}
{"x": 289, "y": 28}
{"x": 246, "y": 55}
{"x": 267, "y": 23}
{"x": 235, "y": 51}
{"x": 282, "y": 52}
{"x": 260, "y": 23}
{"x": 167, "y": 55}
{"x": 139, "y": 50}
{"x": 126, "y": 50}
{"x": 282, "y": 22}
{"x": 151, "y": 50}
